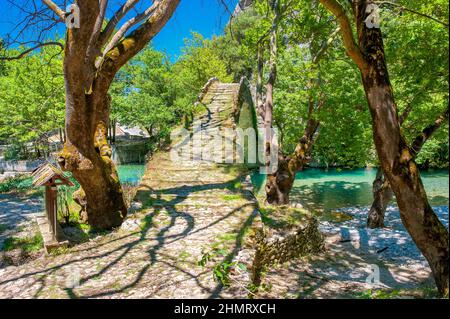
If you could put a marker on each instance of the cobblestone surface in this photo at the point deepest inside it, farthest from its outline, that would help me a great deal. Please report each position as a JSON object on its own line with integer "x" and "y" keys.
{"x": 183, "y": 213}
{"x": 17, "y": 214}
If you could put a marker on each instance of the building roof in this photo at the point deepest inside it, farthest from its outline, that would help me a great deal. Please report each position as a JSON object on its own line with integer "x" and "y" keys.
{"x": 46, "y": 173}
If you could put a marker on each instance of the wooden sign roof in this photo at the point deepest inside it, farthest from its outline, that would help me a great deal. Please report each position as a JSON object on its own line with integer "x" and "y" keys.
{"x": 47, "y": 174}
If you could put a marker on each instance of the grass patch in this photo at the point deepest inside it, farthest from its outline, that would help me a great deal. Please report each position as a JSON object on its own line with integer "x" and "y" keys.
{"x": 59, "y": 251}
{"x": 237, "y": 185}
{"x": 282, "y": 216}
{"x": 379, "y": 294}
{"x": 183, "y": 256}
{"x": 3, "y": 228}
{"x": 419, "y": 293}
{"x": 27, "y": 244}
{"x": 146, "y": 222}
{"x": 232, "y": 197}
{"x": 228, "y": 237}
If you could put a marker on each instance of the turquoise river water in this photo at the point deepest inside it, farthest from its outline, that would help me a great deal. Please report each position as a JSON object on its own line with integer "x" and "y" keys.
{"x": 330, "y": 189}
{"x": 131, "y": 174}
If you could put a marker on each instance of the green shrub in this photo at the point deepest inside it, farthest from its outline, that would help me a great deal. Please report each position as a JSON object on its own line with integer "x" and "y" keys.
{"x": 27, "y": 244}
{"x": 18, "y": 183}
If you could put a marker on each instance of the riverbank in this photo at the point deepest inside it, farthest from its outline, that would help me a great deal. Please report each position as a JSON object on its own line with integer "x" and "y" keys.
{"x": 328, "y": 190}
{"x": 353, "y": 252}
{"x": 358, "y": 263}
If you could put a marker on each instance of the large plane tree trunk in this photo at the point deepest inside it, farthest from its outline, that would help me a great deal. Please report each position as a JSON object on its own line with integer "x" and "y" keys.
{"x": 396, "y": 158}
{"x": 87, "y": 155}
{"x": 382, "y": 191}
{"x": 93, "y": 55}
{"x": 395, "y": 155}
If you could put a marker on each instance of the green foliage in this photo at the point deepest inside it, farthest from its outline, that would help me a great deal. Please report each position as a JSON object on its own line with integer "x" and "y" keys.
{"x": 31, "y": 101}
{"x": 14, "y": 151}
{"x": 221, "y": 270}
{"x": 417, "y": 53}
{"x": 141, "y": 94}
{"x": 18, "y": 183}
{"x": 3, "y": 227}
{"x": 232, "y": 197}
{"x": 236, "y": 46}
{"x": 27, "y": 244}
{"x": 221, "y": 273}
{"x": 155, "y": 95}
{"x": 199, "y": 63}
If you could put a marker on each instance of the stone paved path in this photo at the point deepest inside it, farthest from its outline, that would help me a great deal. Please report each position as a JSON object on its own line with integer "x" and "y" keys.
{"x": 184, "y": 212}
{"x": 16, "y": 213}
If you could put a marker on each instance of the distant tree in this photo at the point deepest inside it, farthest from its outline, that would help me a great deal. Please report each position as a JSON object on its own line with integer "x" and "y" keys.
{"x": 142, "y": 96}
{"x": 32, "y": 99}
{"x": 198, "y": 63}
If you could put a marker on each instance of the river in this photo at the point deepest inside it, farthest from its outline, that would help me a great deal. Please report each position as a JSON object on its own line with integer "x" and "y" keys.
{"x": 131, "y": 173}
{"x": 325, "y": 190}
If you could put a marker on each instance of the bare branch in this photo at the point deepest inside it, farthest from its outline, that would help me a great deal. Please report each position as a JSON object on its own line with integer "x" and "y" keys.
{"x": 350, "y": 45}
{"x": 127, "y": 26}
{"x": 109, "y": 29}
{"x": 427, "y": 132}
{"x": 59, "y": 12}
{"x": 412, "y": 11}
{"x": 231, "y": 16}
{"x": 24, "y": 53}
{"x": 99, "y": 22}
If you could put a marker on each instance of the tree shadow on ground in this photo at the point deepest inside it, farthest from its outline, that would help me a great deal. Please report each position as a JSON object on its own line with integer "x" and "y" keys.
{"x": 101, "y": 250}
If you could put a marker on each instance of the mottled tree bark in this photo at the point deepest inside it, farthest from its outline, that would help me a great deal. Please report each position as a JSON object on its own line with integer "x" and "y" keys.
{"x": 88, "y": 75}
{"x": 396, "y": 157}
{"x": 382, "y": 196}
{"x": 382, "y": 191}
{"x": 267, "y": 112}
{"x": 260, "y": 108}
{"x": 279, "y": 184}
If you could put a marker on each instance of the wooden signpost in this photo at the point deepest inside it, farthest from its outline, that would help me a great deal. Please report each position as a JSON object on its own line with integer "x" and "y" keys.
{"x": 51, "y": 177}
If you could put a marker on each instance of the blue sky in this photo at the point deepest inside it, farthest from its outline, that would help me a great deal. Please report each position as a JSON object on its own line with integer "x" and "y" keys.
{"x": 207, "y": 17}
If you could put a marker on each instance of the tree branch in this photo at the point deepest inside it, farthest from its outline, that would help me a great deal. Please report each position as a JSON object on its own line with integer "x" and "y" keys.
{"x": 98, "y": 23}
{"x": 231, "y": 16}
{"x": 54, "y": 7}
{"x": 325, "y": 46}
{"x": 405, "y": 114}
{"x": 127, "y": 48}
{"x": 347, "y": 33}
{"x": 24, "y": 53}
{"x": 427, "y": 132}
{"x": 126, "y": 27}
{"x": 120, "y": 13}
{"x": 412, "y": 11}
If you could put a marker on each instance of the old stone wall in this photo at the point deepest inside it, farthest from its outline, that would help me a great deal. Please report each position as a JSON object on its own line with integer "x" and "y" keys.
{"x": 19, "y": 166}
{"x": 279, "y": 246}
